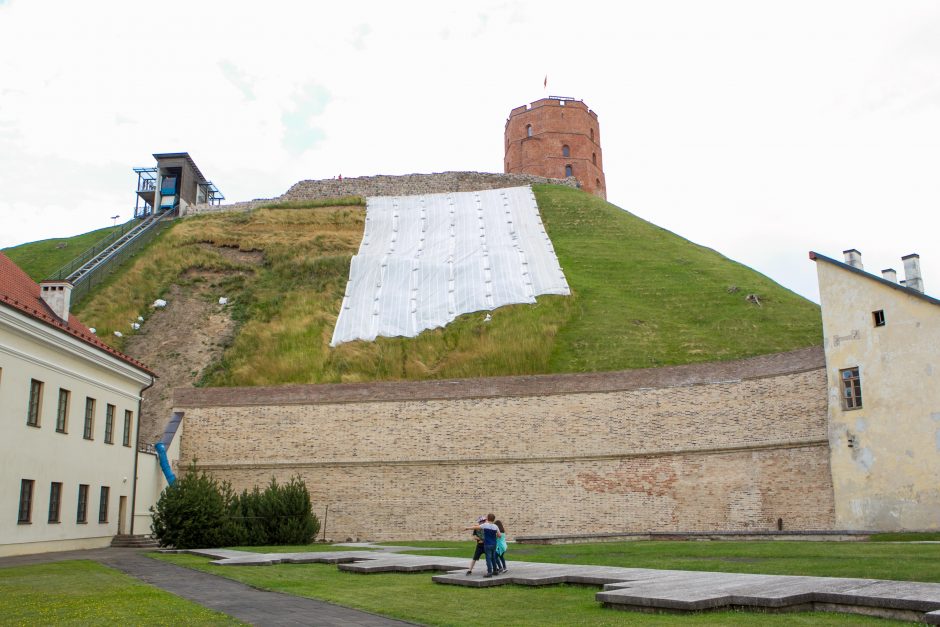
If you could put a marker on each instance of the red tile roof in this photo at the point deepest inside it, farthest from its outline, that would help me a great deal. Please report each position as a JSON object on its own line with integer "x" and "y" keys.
{"x": 20, "y": 292}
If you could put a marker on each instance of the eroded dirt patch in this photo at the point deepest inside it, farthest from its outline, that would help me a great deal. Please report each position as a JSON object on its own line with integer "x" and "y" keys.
{"x": 179, "y": 341}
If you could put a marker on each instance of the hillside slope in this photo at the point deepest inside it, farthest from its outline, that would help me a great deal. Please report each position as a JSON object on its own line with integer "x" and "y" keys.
{"x": 42, "y": 258}
{"x": 641, "y": 296}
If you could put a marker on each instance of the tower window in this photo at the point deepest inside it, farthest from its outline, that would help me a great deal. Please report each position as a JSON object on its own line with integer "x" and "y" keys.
{"x": 568, "y": 170}
{"x": 592, "y": 134}
{"x": 594, "y": 157}
{"x": 528, "y": 130}
{"x": 565, "y": 151}
{"x": 597, "y": 183}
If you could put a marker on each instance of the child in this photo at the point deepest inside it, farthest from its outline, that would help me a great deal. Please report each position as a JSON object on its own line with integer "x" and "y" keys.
{"x": 478, "y": 550}
{"x": 490, "y": 536}
{"x": 501, "y": 549}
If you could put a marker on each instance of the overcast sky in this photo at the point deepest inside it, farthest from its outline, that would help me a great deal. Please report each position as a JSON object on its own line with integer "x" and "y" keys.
{"x": 760, "y": 129}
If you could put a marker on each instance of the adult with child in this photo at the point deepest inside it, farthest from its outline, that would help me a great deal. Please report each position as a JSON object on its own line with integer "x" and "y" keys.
{"x": 491, "y": 535}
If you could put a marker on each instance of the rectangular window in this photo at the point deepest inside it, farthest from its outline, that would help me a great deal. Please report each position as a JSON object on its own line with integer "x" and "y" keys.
{"x": 851, "y": 388}
{"x": 879, "y": 317}
{"x": 103, "y": 504}
{"x": 82, "y": 516}
{"x": 128, "y": 419}
{"x": 109, "y": 424}
{"x": 55, "y": 500}
{"x": 89, "y": 418}
{"x": 25, "y": 514}
{"x": 35, "y": 403}
{"x": 62, "y": 415}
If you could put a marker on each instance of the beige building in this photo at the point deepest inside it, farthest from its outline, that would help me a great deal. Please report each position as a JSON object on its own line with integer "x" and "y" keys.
{"x": 68, "y": 423}
{"x": 882, "y": 343}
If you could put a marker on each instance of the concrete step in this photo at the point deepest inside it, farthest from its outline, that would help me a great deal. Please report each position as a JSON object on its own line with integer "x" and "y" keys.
{"x": 136, "y": 542}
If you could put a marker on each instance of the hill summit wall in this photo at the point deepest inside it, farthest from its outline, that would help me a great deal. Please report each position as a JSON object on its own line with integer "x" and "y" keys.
{"x": 390, "y": 185}
{"x": 704, "y": 447}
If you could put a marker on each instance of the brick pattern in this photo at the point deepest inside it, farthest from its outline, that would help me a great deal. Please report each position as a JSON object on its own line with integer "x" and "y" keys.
{"x": 734, "y": 453}
{"x": 388, "y": 185}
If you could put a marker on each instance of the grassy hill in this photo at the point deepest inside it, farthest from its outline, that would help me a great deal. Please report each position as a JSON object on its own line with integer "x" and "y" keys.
{"x": 641, "y": 297}
{"x": 42, "y": 258}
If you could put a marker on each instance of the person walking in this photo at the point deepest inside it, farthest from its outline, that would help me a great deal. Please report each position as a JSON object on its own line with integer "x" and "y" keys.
{"x": 478, "y": 549}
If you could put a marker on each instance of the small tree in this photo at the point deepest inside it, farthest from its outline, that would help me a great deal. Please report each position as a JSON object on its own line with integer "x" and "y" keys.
{"x": 197, "y": 512}
{"x": 287, "y": 512}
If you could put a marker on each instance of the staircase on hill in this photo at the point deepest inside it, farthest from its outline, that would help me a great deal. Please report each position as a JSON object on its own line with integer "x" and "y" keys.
{"x": 96, "y": 262}
{"x": 126, "y": 541}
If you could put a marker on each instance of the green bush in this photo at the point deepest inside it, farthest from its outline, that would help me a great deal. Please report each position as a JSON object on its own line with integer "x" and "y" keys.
{"x": 197, "y": 512}
{"x": 200, "y": 512}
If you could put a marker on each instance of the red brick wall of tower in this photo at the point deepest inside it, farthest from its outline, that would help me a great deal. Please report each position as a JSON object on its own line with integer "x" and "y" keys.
{"x": 537, "y": 134}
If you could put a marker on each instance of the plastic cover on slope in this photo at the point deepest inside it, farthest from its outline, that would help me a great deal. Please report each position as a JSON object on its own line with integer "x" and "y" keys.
{"x": 424, "y": 260}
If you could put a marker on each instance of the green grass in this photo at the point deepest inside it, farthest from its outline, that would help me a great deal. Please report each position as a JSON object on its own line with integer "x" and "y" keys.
{"x": 318, "y": 547}
{"x": 907, "y": 536}
{"x": 42, "y": 258}
{"x": 344, "y": 201}
{"x": 641, "y": 297}
{"x": 87, "y": 593}
{"x": 416, "y": 598}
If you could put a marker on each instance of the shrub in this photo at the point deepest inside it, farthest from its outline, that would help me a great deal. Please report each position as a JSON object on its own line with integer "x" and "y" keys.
{"x": 197, "y": 512}
{"x": 200, "y": 512}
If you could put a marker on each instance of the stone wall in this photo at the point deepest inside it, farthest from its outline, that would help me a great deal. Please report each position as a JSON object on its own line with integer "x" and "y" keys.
{"x": 391, "y": 185}
{"x": 732, "y": 445}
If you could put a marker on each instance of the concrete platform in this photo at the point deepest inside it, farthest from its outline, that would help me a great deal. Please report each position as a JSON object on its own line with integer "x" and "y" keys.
{"x": 644, "y": 589}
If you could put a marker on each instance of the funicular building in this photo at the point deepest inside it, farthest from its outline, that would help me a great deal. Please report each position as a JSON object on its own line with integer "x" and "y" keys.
{"x": 172, "y": 185}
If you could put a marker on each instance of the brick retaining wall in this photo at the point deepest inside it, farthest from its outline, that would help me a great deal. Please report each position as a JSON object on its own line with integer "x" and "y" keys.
{"x": 731, "y": 445}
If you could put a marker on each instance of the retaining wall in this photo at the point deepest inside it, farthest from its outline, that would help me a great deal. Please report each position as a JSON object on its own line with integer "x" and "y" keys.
{"x": 727, "y": 446}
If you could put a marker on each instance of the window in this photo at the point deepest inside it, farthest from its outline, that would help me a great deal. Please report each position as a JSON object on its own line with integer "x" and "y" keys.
{"x": 103, "y": 504}
{"x": 35, "y": 403}
{"x": 55, "y": 500}
{"x": 594, "y": 157}
{"x": 89, "y": 418}
{"x": 62, "y": 415}
{"x": 128, "y": 418}
{"x": 528, "y": 130}
{"x": 25, "y": 514}
{"x": 851, "y": 388}
{"x": 592, "y": 134}
{"x": 109, "y": 424}
{"x": 82, "y": 516}
{"x": 879, "y": 317}
{"x": 597, "y": 183}
{"x": 568, "y": 170}
{"x": 565, "y": 151}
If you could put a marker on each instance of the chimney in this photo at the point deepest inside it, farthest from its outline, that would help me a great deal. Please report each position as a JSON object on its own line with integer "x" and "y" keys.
{"x": 890, "y": 274}
{"x": 853, "y": 258}
{"x": 58, "y": 295}
{"x": 912, "y": 278}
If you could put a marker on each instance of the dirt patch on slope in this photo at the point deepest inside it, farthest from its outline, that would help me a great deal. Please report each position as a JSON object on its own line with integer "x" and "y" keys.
{"x": 180, "y": 340}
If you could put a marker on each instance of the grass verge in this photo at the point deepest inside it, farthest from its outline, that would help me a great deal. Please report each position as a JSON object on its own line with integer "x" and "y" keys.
{"x": 415, "y": 597}
{"x": 86, "y": 593}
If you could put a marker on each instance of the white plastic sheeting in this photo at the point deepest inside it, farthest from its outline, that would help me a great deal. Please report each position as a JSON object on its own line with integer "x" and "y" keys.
{"x": 424, "y": 260}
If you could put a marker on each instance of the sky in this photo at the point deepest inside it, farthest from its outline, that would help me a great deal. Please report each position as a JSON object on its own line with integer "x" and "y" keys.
{"x": 762, "y": 130}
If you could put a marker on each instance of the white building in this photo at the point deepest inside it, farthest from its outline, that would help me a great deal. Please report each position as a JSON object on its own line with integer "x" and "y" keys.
{"x": 882, "y": 342}
{"x": 69, "y": 409}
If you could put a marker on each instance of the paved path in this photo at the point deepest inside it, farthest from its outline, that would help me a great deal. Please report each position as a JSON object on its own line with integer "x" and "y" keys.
{"x": 245, "y": 603}
{"x": 646, "y": 588}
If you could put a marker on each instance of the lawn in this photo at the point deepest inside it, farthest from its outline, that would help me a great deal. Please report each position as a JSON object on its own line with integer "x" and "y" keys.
{"x": 415, "y": 597}
{"x": 86, "y": 593}
{"x": 42, "y": 258}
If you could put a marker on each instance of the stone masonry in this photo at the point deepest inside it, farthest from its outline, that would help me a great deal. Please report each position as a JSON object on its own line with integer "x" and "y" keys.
{"x": 725, "y": 446}
{"x": 391, "y": 185}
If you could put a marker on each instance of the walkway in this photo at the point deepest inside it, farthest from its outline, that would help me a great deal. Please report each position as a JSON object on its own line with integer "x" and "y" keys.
{"x": 257, "y": 607}
{"x": 648, "y": 589}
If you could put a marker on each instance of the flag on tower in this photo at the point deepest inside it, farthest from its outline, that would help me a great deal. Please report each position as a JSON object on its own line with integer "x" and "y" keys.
{"x": 545, "y": 84}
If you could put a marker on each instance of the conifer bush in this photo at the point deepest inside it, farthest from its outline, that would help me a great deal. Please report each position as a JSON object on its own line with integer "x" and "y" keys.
{"x": 199, "y": 511}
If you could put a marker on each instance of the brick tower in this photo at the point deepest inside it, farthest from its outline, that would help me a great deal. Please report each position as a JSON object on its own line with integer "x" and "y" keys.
{"x": 556, "y": 137}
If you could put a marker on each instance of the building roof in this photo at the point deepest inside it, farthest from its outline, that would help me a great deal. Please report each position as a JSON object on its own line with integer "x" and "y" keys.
{"x": 19, "y": 292}
{"x": 910, "y": 292}
{"x": 161, "y": 156}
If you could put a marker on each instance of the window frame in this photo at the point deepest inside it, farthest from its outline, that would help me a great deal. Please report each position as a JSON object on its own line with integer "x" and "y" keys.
{"x": 850, "y": 388}
{"x": 62, "y": 411}
{"x": 104, "y": 496}
{"x": 569, "y": 170}
{"x": 88, "y": 432}
{"x": 128, "y": 421}
{"x": 528, "y": 130}
{"x": 878, "y": 317}
{"x": 81, "y": 515}
{"x": 24, "y": 515}
{"x": 566, "y": 151}
{"x": 109, "y": 410}
{"x": 55, "y": 502}
{"x": 34, "y": 405}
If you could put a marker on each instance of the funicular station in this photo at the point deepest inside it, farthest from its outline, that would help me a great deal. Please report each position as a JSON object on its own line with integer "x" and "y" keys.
{"x": 173, "y": 184}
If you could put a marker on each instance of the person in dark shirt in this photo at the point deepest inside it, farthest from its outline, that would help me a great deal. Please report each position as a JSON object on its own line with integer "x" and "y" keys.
{"x": 478, "y": 549}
